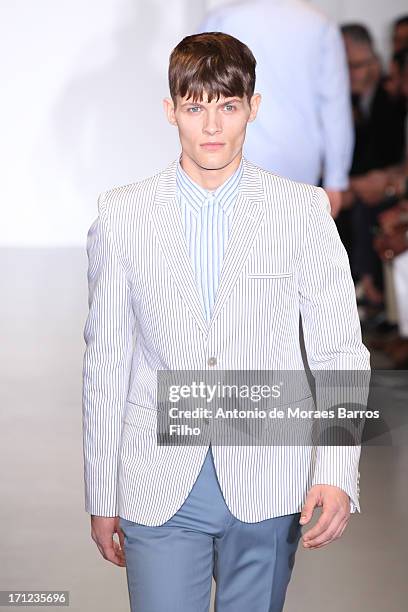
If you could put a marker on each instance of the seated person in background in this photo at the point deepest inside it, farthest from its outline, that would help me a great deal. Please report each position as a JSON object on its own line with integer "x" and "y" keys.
{"x": 379, "y": 122}
{"x": 391, "y": 242}
{"x": 392, "y": 181}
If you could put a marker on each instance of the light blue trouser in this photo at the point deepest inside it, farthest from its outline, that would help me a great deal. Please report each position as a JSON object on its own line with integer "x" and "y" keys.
{"x": 169, "y": 567}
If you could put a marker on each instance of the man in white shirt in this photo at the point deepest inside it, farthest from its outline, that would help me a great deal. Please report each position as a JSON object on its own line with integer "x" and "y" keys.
{"x": 304, "y": 128}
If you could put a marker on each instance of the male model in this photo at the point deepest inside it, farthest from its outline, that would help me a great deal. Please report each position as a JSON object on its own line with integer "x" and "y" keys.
{"x": 208, "y": 265}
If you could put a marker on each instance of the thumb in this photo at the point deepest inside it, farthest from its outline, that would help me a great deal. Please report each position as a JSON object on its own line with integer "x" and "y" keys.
{"x": 307, "y": 510}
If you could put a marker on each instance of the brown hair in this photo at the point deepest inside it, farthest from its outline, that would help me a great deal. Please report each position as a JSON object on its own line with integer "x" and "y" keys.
{"x": 212, "y": 61}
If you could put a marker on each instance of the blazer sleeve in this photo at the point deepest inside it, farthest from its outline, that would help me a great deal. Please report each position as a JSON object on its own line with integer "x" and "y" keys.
{"x": 332, "y": 333}
{"x": 108, "y": 334}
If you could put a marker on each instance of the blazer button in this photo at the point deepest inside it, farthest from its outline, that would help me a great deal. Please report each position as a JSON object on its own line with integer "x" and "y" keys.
{"x": 212, "y": 361}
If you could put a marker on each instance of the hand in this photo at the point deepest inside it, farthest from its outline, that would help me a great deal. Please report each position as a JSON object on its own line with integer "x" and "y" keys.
{"x": 370, "y": 187}
{"x": 393, "y": 217}
{"x": 389, "y": 246}
{"x": 347, "y": 200}
{"x": 335, "y": 198}
{"x": 389, "y": 220}
{"x": 102, "y": 530}
{"x": 371, "y": 293}
{"x": 333, "y": 519}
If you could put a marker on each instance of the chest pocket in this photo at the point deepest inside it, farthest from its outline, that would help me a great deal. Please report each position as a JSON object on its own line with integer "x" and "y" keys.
{"x": 269, "y": 274}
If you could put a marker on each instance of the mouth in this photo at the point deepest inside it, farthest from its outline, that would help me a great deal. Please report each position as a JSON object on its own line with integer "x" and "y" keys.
{"x": 212, "y": 146}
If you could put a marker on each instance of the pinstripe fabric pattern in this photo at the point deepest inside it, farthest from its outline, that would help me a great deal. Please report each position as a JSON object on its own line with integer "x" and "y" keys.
{"x": 284, "y": 259}
{"x": 207, "y": 218}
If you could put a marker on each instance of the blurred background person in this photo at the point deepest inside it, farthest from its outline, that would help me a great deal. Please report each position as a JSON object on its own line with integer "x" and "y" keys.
{"x": 392, "y": 246}
{"x": 399, "y": 41}
{"x": 400, "y": 33}
{"x": 391, "y": 242}
{"x": 379, "y": 123}
{"x": 304, "y": 128}
{"x": 401, "y": 61}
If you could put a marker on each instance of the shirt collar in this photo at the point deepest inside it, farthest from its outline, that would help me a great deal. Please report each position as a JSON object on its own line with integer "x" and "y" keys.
{"x": 195, "y": 195}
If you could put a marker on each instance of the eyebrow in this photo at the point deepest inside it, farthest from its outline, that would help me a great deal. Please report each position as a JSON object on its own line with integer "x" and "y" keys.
{"x": 227, "y": 101}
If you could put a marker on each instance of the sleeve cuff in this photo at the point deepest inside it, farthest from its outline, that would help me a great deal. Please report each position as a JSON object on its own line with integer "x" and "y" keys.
{"x": 335, "y": 183}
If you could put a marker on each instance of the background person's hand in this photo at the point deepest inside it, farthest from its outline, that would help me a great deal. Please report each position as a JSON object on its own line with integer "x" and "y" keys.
{"x": 333, "y": 519}
{"x": 335, "y": 198}
{"x": 389, "y": 246}
{"x": 391, "y": 219}
{"x": 347, "y": 199}
{"x": 370, "y": 187}
{"x": 102, "y": 530}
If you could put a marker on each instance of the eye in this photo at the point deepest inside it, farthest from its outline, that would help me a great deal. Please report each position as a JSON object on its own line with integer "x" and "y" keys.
{"x": 193, "y": 109}
{"x": 229, "y": 107}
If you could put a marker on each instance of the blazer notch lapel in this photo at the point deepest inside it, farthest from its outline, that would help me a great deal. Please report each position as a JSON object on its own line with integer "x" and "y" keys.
{"x": 167, "y": 221}
{"x": 247, "y": 220}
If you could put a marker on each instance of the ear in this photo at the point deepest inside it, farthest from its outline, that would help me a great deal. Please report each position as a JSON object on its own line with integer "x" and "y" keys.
{"x": 255, "y": 102}
{"x": 168, "y": 106}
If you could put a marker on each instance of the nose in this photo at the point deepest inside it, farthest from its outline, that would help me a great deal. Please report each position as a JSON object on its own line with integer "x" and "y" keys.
{"x": 212, "y": 124}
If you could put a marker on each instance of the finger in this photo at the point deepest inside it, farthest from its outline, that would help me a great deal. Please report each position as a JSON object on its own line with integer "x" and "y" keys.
{"x": 322, "y": 524}
{"x": 110, "y": 554}
{"x": 122, "y": 542}
{"x": 328, "y": 535}
{"x": 336, "y": 536}
{"x": 108, "y": 551}
{"x": 340, "y": 530}
{"x": 325, "y": 535}
{"x": 120, "y": 557}
{"x": 308, "y": 508}
{"x": 118, "y": 549}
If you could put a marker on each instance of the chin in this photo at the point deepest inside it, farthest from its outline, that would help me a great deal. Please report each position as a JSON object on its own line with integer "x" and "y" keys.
{"x": 214, "y": 161}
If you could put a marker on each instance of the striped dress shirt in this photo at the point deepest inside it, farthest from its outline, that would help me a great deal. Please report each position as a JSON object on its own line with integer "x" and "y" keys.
{"x": 207, "y": 219}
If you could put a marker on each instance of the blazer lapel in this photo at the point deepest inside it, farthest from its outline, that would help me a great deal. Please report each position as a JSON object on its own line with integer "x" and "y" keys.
{"x": 247, "y": 216}
{"x": 167, "y": 220}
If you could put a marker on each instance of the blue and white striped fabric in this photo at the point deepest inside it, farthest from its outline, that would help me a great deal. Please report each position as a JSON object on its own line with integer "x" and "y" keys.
{"x": 207, "y": 219}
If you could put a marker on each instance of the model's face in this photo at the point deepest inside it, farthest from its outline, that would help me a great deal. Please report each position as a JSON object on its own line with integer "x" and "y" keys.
{"x": 212, "y": 133}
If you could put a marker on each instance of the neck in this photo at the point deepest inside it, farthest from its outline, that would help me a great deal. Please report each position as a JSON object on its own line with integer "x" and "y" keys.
{"x": 209, "y": 179}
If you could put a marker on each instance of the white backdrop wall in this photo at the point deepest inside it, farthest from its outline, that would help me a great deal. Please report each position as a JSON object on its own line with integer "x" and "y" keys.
{"x": 82, "y": 103}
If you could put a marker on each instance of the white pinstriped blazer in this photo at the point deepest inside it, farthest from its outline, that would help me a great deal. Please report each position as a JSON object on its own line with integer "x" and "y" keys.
{"x": 284, "y": 259}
